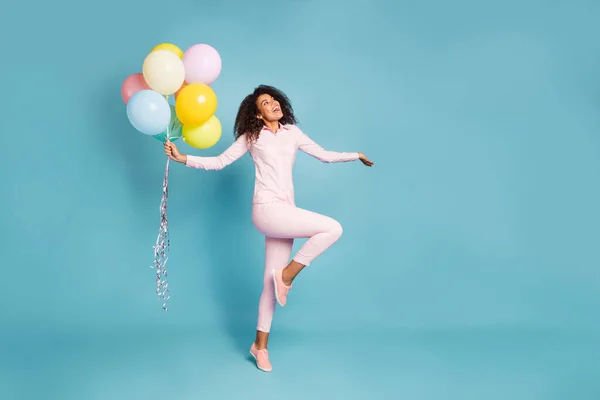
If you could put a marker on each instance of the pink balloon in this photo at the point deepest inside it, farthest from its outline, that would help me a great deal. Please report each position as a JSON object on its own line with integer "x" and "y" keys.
{"x": 133, "y": 84}
{"x": 202, "y": 64}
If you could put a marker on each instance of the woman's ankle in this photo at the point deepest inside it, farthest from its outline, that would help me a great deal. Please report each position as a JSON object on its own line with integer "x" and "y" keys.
{"x": 290, "y": 272}
{"x": 260, "y": 346}
{"x": 286, "y": 278}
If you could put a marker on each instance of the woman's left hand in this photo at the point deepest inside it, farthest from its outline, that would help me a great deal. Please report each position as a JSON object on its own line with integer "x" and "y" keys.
{"x": 365, "y": 160}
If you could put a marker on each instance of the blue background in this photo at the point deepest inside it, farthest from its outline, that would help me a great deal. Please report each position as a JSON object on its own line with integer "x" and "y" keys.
{"x": 468, "y": 268}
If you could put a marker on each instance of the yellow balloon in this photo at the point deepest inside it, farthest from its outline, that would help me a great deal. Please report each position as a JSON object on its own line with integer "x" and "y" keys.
{"x": 195, "y": 104}
{"x": 170, "y": 47}
{"x": 203, "y": 136}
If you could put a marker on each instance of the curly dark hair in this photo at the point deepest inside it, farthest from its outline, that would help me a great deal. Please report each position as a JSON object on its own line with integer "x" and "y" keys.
{"x": 246, "y": 121}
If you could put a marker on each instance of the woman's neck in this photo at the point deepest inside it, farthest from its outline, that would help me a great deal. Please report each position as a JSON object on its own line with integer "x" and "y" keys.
{"x": 272, "y": 125}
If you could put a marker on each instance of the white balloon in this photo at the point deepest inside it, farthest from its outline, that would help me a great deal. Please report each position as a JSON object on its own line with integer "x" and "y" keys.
{"x": 163, "y": 71}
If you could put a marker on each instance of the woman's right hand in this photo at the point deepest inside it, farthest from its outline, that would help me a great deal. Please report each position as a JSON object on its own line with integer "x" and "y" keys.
{"x": 173, "y": 153}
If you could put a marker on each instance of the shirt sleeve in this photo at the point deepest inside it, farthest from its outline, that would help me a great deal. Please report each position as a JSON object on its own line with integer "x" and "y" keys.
{"x": 307, "y": 145}
{"x": 230, "y": 155}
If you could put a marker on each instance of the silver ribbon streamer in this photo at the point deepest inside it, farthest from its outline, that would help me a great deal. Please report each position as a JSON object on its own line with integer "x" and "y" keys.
{"x": 163, "y": 243}
{"x": 161, "y": 249}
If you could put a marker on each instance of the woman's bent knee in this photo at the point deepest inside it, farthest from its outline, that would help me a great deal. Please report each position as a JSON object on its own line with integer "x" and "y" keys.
{"x": 336, "y": 229}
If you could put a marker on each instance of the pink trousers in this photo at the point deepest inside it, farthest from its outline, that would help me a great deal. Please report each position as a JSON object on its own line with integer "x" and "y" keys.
{"x": 281, "y": 223}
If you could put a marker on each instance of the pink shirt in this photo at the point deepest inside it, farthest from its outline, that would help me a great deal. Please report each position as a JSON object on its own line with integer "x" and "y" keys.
{"x": 274, "y": 154}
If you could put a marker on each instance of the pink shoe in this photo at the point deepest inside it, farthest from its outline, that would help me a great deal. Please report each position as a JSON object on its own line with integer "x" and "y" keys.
{"x": 262, "y": 358}
{"x": 281, "y": 290}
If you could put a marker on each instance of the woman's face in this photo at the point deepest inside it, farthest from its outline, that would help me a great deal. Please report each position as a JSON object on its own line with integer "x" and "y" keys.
{"x": 269, "y": 109}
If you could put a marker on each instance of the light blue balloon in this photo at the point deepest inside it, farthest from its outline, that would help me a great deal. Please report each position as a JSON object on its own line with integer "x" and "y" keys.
{"x": 149, "y": 112}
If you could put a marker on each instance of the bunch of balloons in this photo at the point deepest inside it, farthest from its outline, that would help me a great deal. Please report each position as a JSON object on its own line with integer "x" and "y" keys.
{"x": 167, "y": 71}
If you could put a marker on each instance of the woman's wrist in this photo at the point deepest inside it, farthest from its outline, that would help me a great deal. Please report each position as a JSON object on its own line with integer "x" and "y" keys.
{"x": 183, "y": 159}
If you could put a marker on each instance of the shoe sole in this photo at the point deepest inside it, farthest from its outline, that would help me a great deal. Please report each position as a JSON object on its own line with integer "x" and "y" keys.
{"x": 262, "y": 369}
{"x": 276, "y": 291}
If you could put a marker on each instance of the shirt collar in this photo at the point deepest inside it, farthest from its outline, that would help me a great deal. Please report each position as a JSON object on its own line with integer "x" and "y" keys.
{"x": 286, "y": 127}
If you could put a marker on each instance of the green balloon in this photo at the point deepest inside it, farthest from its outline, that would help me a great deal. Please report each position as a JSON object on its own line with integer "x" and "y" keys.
{"x": 173, "y": 131}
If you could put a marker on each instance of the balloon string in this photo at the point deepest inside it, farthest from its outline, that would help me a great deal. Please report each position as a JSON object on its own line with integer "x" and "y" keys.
{"x": 163, "y": 244}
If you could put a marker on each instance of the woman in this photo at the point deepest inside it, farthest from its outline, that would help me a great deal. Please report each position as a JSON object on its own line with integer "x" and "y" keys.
{"x": 265, "y": 126}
